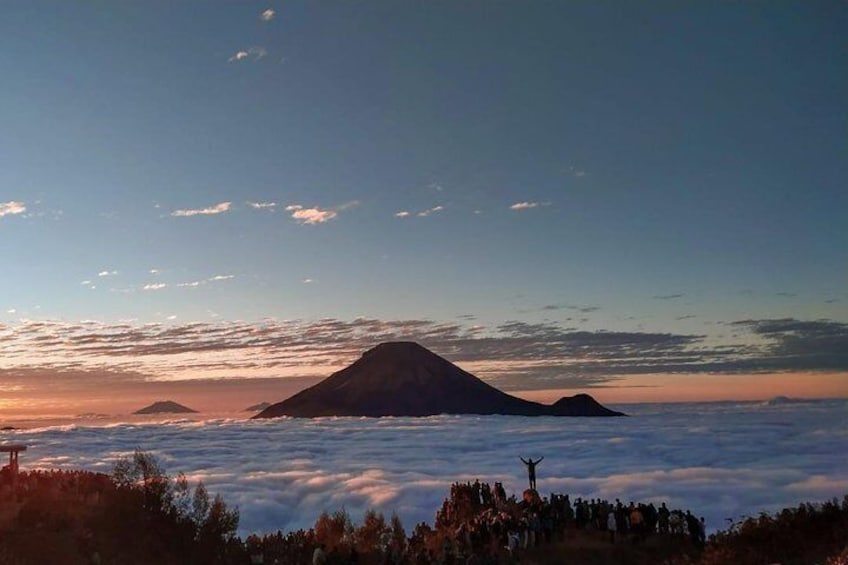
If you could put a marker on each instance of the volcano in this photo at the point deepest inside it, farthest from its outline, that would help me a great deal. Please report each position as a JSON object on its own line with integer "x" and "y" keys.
{"x": 406, "y": 379}
{"x": 165, "y": 407}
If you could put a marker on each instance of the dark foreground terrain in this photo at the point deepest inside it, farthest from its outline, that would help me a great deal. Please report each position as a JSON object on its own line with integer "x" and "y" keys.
{"x": 139, "y": 515}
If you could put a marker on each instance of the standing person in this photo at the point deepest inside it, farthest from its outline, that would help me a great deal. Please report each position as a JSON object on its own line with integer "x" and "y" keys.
{"x": 531, "y": 469}
{"x": 663, "y": 514}
{"x": 319, "y": 557}
{"x": 612, "y": 525}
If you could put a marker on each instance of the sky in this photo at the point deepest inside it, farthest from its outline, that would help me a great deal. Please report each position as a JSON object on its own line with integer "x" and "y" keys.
{"x": 223, "y": 198}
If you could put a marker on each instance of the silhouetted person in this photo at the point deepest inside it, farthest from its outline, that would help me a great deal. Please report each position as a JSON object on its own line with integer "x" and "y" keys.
{"x": 531, "y": 470}
{"x": 319, "y": 557}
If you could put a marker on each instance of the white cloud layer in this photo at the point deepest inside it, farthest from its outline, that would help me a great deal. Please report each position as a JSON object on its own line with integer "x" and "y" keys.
{"x": 12, "y": 208}
{"x": 210, "y": 211}
{"x": 719, "y": 459}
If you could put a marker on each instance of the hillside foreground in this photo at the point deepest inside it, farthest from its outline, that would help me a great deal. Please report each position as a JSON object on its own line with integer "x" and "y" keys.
{"x": 139, "y": 515}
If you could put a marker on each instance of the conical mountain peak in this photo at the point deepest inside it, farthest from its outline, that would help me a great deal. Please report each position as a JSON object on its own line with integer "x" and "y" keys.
{"x": 403, "y": 378}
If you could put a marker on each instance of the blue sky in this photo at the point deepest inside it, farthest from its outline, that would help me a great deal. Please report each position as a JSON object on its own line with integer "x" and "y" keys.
{"x": 663, "y": 168}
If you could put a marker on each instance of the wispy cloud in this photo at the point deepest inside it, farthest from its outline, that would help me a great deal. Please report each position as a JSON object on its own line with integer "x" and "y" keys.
{"x": 307, "y": 281}
{"x": 154, "y": 286}
{"x": 262, "y": 205}
{"x": 667, "y": 296}
{"x": 195, "y": 284}
{"x": 581, "y": 309}
{"x": 312, "y": 215}
{"x": 575, "y": 172}
{"x": 249, "y": 54}
{"x": 402, "y": 214}
{"x": 267, "y": 15}
{"x": 315, "y": 214}
{"x": 107, "y": 273}
{"x": 429, "y": 211}
{"x": 210, "y": 211}
{"x": 526, "y": 205}
{"x": 12, "y": 208}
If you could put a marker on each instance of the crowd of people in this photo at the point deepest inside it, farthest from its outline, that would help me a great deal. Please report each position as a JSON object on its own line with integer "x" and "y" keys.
{"x": 482, "y": 520}
{"x": 478, "y": 523}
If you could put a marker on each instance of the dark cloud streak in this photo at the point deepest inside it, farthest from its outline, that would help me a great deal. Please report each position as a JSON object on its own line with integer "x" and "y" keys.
{"x": 515, "y": 354}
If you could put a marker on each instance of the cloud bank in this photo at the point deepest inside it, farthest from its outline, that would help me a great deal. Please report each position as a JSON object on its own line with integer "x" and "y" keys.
{"x": 511, "y": 355}
{"x": 721, "y": 459}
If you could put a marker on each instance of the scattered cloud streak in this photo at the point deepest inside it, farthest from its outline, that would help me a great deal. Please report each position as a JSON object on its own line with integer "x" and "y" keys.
{"x": 267, "y": 15}
{"x": 262, "y": 205}
{"x": 209, "y": 211}
{"x": 430, "y": 211}
{"x": 12, "y": 208}
{"x": 316, "y": 215}
{"x": 249, "y": 54}
{"x": 797, "y": 344}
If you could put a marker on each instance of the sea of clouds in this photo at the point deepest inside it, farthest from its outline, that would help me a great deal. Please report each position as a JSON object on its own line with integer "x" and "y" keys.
{"x": 722, "y": 460}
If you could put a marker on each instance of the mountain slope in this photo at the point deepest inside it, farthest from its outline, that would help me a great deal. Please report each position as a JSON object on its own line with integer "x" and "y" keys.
{"x": 403, "y": 379}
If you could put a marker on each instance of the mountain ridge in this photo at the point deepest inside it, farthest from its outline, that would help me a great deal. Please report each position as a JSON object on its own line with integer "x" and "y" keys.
{"x": 406, "y": 379}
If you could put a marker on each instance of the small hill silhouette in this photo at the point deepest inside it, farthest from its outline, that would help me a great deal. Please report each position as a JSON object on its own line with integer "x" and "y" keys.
{"x": 406, "y": 379}
{"x": 581, "y": 405}
{"x": 258, "y": 407}
{"x": 165, "y": 407}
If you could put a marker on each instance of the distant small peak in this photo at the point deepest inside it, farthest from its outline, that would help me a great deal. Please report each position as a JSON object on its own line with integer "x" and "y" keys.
{"x": 164, "y": 407}
{"x": 258, "y": 407}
